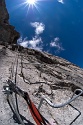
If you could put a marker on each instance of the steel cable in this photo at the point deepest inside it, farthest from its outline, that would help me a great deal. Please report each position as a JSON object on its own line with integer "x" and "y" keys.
{"x": 15, "y": 81}
{"x": 79, "y": 91}
{"x": 60, "y": 105}
{"x": 10, "y": 99}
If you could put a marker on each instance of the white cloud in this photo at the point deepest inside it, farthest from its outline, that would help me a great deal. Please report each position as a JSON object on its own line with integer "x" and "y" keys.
{"x": 39, "y": 27}
{"x": 61, "y": 1}
{"x": 22, "y": 42}
{"x": 56, "y": 43}
{"x": 35, "y": 43}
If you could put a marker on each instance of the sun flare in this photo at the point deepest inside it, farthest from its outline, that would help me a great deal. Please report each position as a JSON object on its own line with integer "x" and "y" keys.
{"x": 31, "y": 2}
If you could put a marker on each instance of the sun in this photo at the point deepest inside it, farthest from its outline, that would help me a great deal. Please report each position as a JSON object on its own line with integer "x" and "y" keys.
{"x": 31, "y": 2}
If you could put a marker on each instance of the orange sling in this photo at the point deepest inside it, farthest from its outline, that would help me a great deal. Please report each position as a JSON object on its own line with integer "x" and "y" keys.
{"x": 39, "y": 119}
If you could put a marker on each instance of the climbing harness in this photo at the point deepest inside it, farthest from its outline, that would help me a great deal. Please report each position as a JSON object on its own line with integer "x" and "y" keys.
{"x": 39, "y": 119}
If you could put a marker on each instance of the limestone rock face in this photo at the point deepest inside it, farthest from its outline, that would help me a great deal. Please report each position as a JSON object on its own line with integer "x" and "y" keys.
{"x": 7, "y": 33}
{"x": 41, "y": 75}
{"x": 4, "y": 16}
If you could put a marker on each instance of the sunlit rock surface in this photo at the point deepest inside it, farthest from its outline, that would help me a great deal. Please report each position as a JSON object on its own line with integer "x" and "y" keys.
{"x": 41, "y": 74}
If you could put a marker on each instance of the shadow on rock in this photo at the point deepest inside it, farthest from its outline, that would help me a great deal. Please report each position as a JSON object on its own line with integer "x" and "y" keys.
{"x": 23, "y": 119}
{"x": 16, "y": 120}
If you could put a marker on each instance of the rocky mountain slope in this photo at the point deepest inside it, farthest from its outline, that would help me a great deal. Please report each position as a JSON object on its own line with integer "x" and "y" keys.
{"x": 7, "y": 33}
{"x": 40, "y": 74}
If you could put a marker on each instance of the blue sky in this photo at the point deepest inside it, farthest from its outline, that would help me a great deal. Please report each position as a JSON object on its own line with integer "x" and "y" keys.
{"x": 54, "y": 26}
